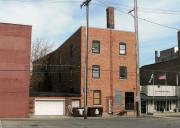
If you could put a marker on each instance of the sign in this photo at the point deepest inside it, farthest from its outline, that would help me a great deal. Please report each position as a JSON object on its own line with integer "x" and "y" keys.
{"x": 137, "y": 98}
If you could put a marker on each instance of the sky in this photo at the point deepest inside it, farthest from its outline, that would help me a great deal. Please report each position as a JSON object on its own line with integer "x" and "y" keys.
{"x": 56, "y": 20}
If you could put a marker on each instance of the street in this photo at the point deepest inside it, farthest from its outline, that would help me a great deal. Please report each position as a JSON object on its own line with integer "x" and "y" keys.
{"x": 118, "y": 122}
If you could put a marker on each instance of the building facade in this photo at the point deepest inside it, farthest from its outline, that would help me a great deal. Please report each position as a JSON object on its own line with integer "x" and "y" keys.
{"x": 15, "y": 45}
{"x": 111, "y": 67}
{"x": 156, "y": 98}
{"x": 166, "y": 55}
{"x": 160, "y": 82}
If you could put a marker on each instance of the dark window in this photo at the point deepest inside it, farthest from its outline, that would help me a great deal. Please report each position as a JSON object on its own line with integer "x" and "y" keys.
{"x": 123, "y": 72}
{"x": 129, "y": 100}
{"x": 60, "y": 78}
{"x": 96, "y": 71}
{"x": 71, "y": 54}
{"x": 60, "y": 58}
{"x": 96, "y": 46}
{"x": 122, "y": 49}
{"x": 97, "y": 97}
{"x": 71, "y": 50}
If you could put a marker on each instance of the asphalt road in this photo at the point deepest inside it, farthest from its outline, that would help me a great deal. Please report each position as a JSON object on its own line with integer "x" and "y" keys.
{"x": 147, "y": 122}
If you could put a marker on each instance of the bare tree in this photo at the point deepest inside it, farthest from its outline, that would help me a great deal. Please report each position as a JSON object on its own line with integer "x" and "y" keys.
{"x": 40, "y": 48}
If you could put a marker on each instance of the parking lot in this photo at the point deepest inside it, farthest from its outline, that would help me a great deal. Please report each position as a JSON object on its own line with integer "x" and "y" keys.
{"x": 117, "y": 122}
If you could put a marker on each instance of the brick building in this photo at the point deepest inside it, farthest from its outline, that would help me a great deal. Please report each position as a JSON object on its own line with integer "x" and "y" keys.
{"x": 166, "y": 55}
{"x": 15, "y": 44}
{"x": 111, "y": 64}
{"x": 168, "y": 64}
{"x": 160, "y": 82}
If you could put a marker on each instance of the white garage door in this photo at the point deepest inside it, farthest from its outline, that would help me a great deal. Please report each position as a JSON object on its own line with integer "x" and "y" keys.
{"x": 49, "y": 107}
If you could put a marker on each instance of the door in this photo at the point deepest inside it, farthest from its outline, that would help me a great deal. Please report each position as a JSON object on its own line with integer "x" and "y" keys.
{"x": 143, "y": 106}
{"x": 129, "y": 100}
{"x": 49, "y": 107}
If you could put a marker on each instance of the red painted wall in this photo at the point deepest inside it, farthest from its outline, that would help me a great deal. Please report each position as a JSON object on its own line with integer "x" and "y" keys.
{"x": 15, "y": 44}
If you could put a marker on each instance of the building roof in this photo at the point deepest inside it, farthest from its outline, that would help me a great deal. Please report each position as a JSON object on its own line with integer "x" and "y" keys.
{"x": 15, "y": 24}
{"x": 170, "y": 65}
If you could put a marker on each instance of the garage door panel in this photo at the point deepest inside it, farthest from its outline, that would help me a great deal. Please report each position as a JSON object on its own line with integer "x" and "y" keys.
{"x": 43, "y": 107}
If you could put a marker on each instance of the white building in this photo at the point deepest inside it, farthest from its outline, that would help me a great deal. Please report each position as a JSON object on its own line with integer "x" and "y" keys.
{"x": 159, "y": 98}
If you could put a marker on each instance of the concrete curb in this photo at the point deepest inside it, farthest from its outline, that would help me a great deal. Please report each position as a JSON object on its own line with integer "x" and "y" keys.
{"x": 167, "y": 117}
{"x": 46, "y": 118}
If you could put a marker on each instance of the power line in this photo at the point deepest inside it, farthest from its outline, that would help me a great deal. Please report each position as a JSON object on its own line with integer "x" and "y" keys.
{"x": 143, "y": 19}
{"x": 141, "y": 8}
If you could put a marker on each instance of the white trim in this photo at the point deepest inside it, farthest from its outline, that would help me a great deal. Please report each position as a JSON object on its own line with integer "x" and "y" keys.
{"x": 42, "y": 99}
{"x": 97, "y": 105}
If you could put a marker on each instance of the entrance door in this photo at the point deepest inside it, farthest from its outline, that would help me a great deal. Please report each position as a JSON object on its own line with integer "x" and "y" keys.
{"x": 143, "y": 106}
{"x": 160, "y": 105}
{"x": 129, "y": 100}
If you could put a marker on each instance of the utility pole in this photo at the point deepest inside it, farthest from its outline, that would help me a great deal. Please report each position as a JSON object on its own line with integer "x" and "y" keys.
{"x": 138, "y": 99}
{"x": 177, "y": 88}
{"x": 86, "y": 3}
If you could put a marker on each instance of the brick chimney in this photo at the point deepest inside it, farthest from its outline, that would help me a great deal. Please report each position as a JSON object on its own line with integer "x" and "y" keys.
{"x": 110, "y": 17}
{"x": 179, "y": 44}
{"x": 156, "y": 56}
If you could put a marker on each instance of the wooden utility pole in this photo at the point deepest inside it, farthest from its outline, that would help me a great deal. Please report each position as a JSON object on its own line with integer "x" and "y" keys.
{"x": 86, "y": 3}
{"x": 138, "y": 99}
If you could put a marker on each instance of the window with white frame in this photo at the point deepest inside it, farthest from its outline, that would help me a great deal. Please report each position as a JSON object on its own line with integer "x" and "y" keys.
{"x": 122, "y": 48}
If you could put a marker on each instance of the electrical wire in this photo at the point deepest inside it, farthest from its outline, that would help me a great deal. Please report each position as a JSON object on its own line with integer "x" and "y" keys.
{"x": 152, "y": 10}
{"x": 146, "y": 20}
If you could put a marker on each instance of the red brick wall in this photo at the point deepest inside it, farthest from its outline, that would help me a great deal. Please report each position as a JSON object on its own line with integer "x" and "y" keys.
{"x": 109, "y": 61}
{"x": 15, "y": 44}
{"x": 110, "y": 17}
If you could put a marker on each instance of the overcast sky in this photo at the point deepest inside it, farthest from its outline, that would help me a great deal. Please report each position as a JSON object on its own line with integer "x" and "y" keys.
{"x": 56, "y": 20}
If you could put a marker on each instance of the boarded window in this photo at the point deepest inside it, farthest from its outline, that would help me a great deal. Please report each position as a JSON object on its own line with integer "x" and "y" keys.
{"x": 97, "y": 97}
{"x": 118, "y": 96}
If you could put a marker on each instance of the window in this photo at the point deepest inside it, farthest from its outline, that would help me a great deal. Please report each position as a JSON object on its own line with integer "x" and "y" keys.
{"x": 71, "y": 55}
{"x": 122, "y": 49}
{"x": 118, "y": 97}
{"x": 96, "y": 46}
{"x": 71, "y": 51}
{"x": 129, "y": 100}
{"x": 60, "y": 77}
{"x": 96, "y": 71}
{"x": 123, "y": 72}
{"x": 97, "y": 97}
{"x": 60, "y": 58}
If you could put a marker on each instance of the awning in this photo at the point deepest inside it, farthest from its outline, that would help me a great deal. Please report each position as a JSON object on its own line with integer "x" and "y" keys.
{"x": 145, "y": 97}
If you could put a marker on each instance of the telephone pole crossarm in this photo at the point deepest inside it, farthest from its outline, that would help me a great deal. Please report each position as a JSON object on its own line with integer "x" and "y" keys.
{"x": 85, "y": 3}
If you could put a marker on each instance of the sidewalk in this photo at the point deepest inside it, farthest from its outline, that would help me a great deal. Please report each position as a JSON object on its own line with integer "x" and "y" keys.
{"x": 168, "y": 115}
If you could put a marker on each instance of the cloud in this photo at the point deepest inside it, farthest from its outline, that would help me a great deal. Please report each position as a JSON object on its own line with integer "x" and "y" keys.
{"x": 56, "y": 21}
